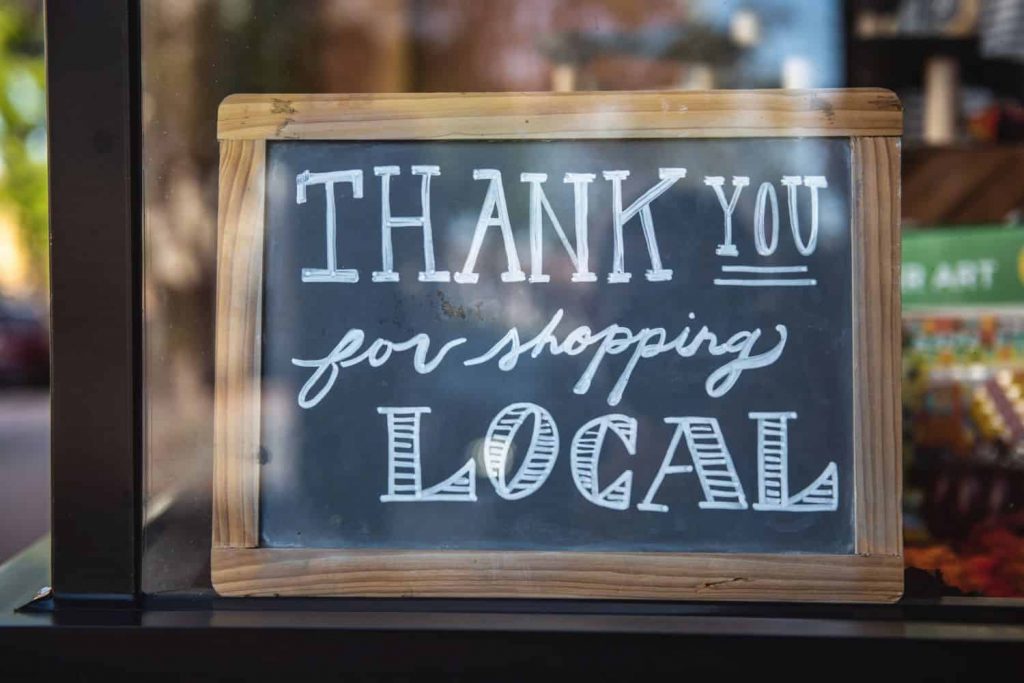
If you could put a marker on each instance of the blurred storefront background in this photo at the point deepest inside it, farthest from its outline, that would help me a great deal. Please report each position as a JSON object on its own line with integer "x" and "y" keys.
{"x": 958, "y": 67}
{"x": 24, "y": 354}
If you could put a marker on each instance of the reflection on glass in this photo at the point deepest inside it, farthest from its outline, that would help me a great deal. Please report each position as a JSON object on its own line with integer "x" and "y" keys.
{"x": 197, "y": 52}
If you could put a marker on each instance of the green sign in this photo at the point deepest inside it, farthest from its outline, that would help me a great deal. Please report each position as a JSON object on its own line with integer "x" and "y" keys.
{"x": 963, "y": 267}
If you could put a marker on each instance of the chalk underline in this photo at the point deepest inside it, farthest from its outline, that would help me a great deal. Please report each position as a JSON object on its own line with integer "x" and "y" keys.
{"x": 754, "y": 282}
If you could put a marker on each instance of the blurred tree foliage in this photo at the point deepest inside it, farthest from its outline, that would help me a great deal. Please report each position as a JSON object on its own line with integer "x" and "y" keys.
{"x": 23, "y": 125}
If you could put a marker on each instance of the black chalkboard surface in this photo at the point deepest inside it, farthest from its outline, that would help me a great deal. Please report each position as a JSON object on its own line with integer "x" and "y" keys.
{"x": 707, "y": 353}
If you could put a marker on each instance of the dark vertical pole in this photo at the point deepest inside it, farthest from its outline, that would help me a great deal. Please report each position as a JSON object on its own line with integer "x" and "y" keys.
{"x": 95, "y": 271}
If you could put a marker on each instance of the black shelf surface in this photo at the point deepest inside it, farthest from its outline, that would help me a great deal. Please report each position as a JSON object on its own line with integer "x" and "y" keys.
{"x": 205, "y": 636}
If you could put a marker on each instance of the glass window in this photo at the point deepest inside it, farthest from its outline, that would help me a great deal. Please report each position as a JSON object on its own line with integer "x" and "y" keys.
{"x": 957, "y": 74}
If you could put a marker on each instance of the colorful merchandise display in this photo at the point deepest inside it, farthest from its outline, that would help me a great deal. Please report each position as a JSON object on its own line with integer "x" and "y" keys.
{"x": 963, "y": 397}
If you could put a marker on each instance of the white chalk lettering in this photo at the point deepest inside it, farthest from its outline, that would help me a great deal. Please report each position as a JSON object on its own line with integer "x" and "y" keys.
{"x": 540, "y": 454}
{"x": 586, "y": 452}
{"x": 539, "y": 205}
{"x": 642, "y": 206}
{"x": 645, "y": 343}
{"x": 715, "y": 469}
{"x": 727, "y": 248}
{"x": 712, "y": 462}
{"x": 494, "y": 201}
{"x": 773, "y": 471}
{"x": 387, "y": 222}
{"x": 343, "y": 355}
{"x": 766, "y": 246}
{"x": 331, "y": 273}
{"x": 405, "y": 479}
{"x": 814, "y": 182}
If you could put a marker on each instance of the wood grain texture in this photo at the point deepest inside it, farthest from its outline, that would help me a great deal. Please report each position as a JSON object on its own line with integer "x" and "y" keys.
{"x": 877, "y": 329}
{"x": 985, "y": 189}
{"x": 635, "y": 114}
{"x": 238, "y": 327}
{"x": 667, "y": 576}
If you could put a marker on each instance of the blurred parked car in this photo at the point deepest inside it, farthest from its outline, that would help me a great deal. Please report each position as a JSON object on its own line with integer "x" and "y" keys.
{"x": 24, "y": 345}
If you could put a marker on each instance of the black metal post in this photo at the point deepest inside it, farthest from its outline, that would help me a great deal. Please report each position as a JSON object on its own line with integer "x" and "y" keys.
{"x": 95, "y": 274}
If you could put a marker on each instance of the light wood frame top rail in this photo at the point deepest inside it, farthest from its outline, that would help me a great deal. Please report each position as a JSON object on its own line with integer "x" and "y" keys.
{"x": 634, "y": 114}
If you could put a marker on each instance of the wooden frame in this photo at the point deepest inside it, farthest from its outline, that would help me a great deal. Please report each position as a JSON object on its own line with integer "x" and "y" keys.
{"x": 871, "y": 118}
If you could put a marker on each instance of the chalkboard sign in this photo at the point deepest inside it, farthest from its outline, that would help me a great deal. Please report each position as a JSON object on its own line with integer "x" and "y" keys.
{"x": 501, "y": 345}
